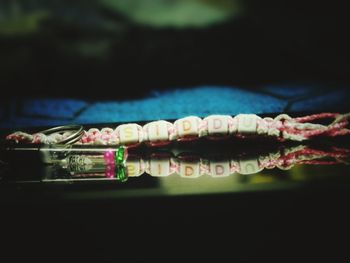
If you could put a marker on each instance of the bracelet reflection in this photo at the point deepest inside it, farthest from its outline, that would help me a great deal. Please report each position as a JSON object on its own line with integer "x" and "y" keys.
{"x": 93, "y": 166}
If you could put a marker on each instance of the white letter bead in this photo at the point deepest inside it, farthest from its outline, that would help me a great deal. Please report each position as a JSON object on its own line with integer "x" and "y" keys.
{"x": 157, "y": 131}
{"x": 133, "y": 168}
{"x": 128, "y": 133}
{"x": 189, "y": 170}
{"x": 159, "y": 167}
{"x": 217, "y": 124}
{"x": 247, "y": 123}
{"x": 219, "y": 169}
{"x": 187, "y": 126}
{"x": 249, "y": 166}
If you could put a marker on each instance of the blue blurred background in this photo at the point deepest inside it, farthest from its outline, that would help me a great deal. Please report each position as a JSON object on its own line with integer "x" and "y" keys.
{"x": 172, "y": 104}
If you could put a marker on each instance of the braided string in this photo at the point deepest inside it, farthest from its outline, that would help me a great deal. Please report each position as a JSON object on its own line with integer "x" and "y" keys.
{"x": 195, "y": 166}
{"x": 159, "y": 133}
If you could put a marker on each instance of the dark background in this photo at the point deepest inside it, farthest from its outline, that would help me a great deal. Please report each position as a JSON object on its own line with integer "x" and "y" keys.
{"x": 267, "y": 42}
{"x": 282, "y": 225}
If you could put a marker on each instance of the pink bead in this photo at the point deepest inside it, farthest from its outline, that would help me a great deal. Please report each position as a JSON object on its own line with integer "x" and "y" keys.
{"x": 109, "y": 174}
{"x": 110, "y": 171}
{"x": 109, "y": 157}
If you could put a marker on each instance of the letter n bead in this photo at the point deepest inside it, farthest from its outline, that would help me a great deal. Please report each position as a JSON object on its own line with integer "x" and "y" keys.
{"x": 249, "y": 166}
{"x": 247, "y": 123}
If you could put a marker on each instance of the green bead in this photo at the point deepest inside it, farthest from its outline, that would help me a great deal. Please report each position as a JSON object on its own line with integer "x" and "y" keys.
{"x": 119, "y": 156}
{"x": 120, "y": 172}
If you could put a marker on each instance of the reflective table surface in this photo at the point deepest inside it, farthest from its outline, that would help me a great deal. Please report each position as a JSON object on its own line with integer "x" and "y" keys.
{"x": 228, "y": 196}
{"x": 182, "y": 169}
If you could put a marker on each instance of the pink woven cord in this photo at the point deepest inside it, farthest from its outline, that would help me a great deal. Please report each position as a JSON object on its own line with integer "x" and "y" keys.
{"x": 294, "y": 156}
{"x": 309, "y": 118}
{"x": 282, "y": 128}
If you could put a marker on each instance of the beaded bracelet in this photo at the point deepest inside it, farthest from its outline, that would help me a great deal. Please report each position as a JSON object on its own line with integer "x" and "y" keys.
{"x": 158, "y": 133}
{"x": 120, "y": 165}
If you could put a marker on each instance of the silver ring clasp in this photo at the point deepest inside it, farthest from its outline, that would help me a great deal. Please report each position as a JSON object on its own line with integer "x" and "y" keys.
{"x": 74, "y": 137}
